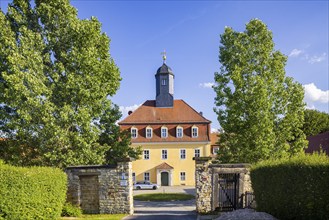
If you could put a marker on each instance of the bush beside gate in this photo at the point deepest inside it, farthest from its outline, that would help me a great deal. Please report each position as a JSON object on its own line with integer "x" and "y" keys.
{"x": 31, "y": 193}
{"x": 295, "y": 188}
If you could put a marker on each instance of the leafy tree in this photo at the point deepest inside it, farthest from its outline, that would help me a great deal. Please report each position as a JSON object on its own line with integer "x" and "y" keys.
{"x": 258, "y": 107}
{"x": 119, "y": 141}
{"x": 315, "y": 122}
{"x": 55, "y": 76}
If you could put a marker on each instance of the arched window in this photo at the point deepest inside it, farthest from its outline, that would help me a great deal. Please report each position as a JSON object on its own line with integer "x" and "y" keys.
{"x": 134, "y": 132}
{"x": 148, "y": 132}
{"x": 194, "y": 131}
{"x": 179, "y": 132}
{"x": 164, "y": 132}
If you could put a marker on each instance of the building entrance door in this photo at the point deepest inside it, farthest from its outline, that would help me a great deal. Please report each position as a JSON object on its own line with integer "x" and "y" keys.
{"x": 164, "y": 179}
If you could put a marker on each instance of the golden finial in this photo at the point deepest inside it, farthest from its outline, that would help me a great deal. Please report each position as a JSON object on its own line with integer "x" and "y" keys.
{"x": 164, "y": 57}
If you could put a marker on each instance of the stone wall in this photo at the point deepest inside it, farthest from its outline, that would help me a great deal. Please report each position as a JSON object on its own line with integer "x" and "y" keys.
{"x": 101, "y": 189}
{"x": 207, "y": 178}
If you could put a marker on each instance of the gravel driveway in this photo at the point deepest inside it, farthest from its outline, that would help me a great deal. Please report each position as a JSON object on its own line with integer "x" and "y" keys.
{"x": 174, "y": 210}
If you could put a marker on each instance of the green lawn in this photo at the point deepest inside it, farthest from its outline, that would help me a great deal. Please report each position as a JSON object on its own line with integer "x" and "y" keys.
{"x": 162, "y": 197}
{"x": 97, "y": 217}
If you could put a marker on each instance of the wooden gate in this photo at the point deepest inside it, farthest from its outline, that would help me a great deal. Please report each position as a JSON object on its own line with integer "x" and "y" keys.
{"x": 228, "y": 184}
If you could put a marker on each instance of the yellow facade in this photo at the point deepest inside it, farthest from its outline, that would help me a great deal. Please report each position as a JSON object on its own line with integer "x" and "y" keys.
{"x": 174, "y": 173}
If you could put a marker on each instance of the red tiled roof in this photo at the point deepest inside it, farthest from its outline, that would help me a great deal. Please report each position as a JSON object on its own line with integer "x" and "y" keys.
{"x": 147, "y": 113}
{"x": 214, "y": 138}
{"x": 164, "y": 166}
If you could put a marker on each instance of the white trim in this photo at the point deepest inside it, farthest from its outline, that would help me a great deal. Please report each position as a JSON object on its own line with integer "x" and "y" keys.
{"x": 195, "y": 149}
{"x": 131, "y": 132}
{"x": 197, "y": 131}
{"x": 180, "y": 176}
{"x": 149, "y": 176}
{"x": 165, "y": 128}
{"x": 177, "y": 128}
{"x": 148, "y": 128}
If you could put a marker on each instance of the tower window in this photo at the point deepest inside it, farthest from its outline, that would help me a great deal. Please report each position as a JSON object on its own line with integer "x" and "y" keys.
{"x": 164, "y": 82}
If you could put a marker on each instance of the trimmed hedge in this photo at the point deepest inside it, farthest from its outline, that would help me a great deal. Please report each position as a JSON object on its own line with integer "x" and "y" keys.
{"x": 31, "y": 193}
{"x": 295, "y": 188}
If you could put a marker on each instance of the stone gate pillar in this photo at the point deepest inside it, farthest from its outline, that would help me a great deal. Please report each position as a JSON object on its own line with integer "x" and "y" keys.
{"x": 203, "y": 184}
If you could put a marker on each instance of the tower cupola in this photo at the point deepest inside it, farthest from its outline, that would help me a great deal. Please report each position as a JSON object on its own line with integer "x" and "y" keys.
{"x": 164, "y": 86}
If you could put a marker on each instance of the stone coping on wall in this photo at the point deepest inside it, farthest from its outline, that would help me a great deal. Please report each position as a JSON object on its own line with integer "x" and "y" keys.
{"x": 231, "y": 165}
{"x": 111, "y": 166}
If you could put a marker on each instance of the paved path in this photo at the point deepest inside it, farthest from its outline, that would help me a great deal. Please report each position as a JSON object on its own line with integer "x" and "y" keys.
{"x": 175, "y": 210}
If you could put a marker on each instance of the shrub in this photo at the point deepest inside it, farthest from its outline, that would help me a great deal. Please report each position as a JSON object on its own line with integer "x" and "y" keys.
{"x": 70, "y": 210}
{"x": 295, "y": 188}
{"x": 31, "y": 193}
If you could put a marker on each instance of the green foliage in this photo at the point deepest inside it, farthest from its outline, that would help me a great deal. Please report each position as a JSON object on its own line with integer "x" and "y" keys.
{"x": 70, "y": 210}
{"x": 295, "y": 188}
{"x": 56, "y": 75}
{"x": 259, "y": 109}
{"x": 31, "y": 193}
{"x": 315, "y": 122}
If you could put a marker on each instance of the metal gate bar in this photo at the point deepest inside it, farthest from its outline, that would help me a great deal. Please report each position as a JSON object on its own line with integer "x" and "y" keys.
{"x": 228, "y": 184}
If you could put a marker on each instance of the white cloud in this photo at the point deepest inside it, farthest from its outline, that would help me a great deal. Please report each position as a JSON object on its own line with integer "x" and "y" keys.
{"x": 295, "y": 53}
{"x": 214, "y": 130}
{"x": 126, "y": 109}
{"x": 207, "y": 85}
{"x": 317, "y": 59}
{"x": 314, "y": 94}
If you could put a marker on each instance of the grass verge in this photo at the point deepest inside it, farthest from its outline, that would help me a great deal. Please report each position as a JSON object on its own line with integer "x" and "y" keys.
{"x": 163, "y": 197}
{"x": 97, "y": 217}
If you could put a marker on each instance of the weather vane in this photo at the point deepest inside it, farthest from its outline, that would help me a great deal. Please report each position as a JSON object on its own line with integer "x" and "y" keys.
{"x": 164, "y": 57}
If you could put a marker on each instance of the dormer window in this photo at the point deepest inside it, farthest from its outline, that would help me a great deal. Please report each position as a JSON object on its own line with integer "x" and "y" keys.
{"x": 179, "y": 132}
{"x": 194, "y": 131}
{"x": 134, "y": 133}
{"x": 164, "y": 132}
{"x": 149, "y": 132}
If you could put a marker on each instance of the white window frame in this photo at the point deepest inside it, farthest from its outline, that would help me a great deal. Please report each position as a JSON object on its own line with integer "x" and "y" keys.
{"x": 182, "y": 176}
{"x": 146, "y": 132}
{"x": 177, "y": 133}
{"x": 166, "y": 132}
{"x": 196, "y": 133}
{"x": 197, "y": 152}
{"x": 147, "y": 176}
{"x": 134, "y": 133}
{"x": 164, "y": 154}
{"x": 182, "y": 154}
{"x": 146, "y": 156}
{"x": 215, "y": 150}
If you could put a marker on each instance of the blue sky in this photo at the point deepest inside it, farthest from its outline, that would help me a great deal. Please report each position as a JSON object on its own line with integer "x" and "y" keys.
{"x": 189, "y": 32}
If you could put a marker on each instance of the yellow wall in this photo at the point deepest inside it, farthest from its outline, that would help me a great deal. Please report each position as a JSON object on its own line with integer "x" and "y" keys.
{"x": 173, "y": 159}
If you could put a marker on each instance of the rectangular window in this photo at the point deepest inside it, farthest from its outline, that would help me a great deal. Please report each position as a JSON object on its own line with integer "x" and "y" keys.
{"x": 215, "y": 150}
{"x": 182, "y": 154}
{"x": 164, "y": 154}
{"x": 134, "y": 133}
{"x": 147, "y": 176}
{"x": 197, "y": 153}
{"x": 163, "y": 82}
{"x": 194, "y": 132}
{"x": 146, "y": 154}
{"x": 148, "y": 132}
{"x": 179, "y": 132}
{"x": 164, "y": 132}
{"x": 182, "y": 176}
